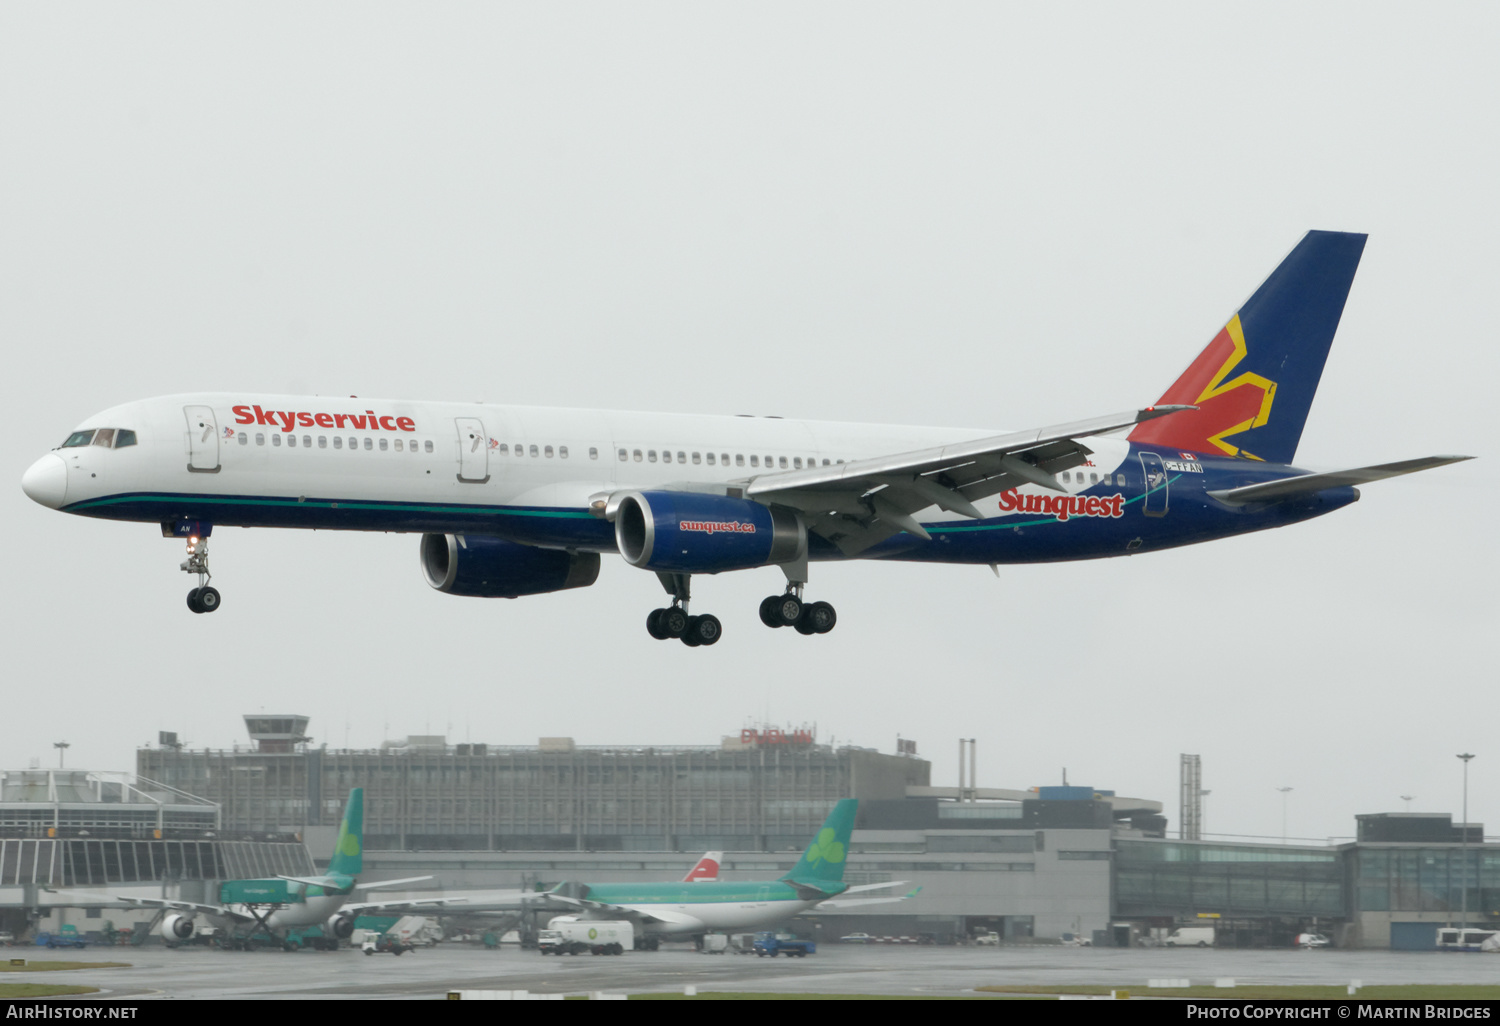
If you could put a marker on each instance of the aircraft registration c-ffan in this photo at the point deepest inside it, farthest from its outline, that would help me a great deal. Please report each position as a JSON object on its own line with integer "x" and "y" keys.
{"x": 514, "y": 500}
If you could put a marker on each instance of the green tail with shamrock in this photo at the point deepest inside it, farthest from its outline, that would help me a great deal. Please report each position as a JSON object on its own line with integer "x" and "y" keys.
{"x": 823, "y": 862}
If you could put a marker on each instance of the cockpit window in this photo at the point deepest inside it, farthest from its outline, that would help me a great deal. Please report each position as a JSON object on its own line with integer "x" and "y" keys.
{"x": 124, "y": 437}
{"x": 104, "y": 437}
{"x": 78, "y": 438}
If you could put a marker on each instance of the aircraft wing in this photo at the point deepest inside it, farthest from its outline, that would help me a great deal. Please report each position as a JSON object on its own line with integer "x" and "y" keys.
{"x": 190, "y": 907}
{"x": 379, "y": 885}
{"x": 414, "y": 905}
{"x": 635, "y": 915}
{"x": 458, "y": 904}
{"x": 859, "y": 504}
{"x": 1271, "y": 491}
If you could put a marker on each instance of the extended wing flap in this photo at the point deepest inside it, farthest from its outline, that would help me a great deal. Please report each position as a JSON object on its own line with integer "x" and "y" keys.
{"x": 1305, "y": 484}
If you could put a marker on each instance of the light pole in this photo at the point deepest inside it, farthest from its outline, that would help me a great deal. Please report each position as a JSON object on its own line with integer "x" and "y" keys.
{"x": 1203, "y": 812}
{"x": 62, "y": 749}
{"x": 1284, "y": 792}
{"x": 1463, "y": 871}
{"x": 1407, "y": 799}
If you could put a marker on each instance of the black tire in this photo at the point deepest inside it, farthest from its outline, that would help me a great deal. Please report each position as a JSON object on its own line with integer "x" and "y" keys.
{"x": 208, "y": 600}
{"x": 822, "y": 616}
{"x": 369, "y": 951}
{"x": 192, "y": 600}
{"x": 790, "y": 607}
{"x": 804, "y": 624}
{"x": 707, "y": 629}
{"x": 770, "y": 611}
{"x": 674, "y": 622}
{"x": 690, "y": 636}
{"x": 653, "y": 625}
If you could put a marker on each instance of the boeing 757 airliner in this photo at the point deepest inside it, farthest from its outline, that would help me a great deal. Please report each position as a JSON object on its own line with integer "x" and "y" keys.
{"x": 514, "y": 500}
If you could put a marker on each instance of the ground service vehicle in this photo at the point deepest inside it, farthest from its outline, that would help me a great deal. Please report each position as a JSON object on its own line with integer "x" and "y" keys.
{"x": 774, "y": 944}
{"x": 1454, "y": 939}
{"x": 1190, "y": 937}
{"x": 566, "y": 935}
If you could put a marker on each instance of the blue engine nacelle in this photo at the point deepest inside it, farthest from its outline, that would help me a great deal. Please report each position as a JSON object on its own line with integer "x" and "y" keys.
{"x": 486, "y": 567}
{"x": 688, "y": 532}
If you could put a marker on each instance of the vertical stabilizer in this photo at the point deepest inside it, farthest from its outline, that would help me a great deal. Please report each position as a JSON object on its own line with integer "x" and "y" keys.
{"x": 825, "y": 856}
{"x": 348, "y": 853}
{"x": 1254, "y": 384}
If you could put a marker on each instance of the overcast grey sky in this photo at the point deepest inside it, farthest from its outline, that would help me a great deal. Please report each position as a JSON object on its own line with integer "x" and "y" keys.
{"x": 973, "y": 214}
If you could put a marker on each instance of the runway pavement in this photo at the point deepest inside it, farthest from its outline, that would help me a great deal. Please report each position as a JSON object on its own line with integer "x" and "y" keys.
{"x": 199, "y": 973}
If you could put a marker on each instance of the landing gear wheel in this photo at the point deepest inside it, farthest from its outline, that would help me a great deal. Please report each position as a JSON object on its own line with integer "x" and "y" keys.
{"x": 819, "y": 616}
{"x": 192, "y": 600}
{"x": 673, "y": 621}
{"x": 705, "y": 630}
{"x": 208, "y": 599}
{"x": 790, "y": 607}
{"x": 690, "y": 635}
{"x": 770, "y": 611}
{"x": 654, "y": 627}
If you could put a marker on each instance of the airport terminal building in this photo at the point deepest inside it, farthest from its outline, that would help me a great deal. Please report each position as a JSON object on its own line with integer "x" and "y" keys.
{"x": 1042, "y": 864}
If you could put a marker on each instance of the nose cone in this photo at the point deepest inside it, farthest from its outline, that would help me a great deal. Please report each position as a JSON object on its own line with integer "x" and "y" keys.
{"x": 46, "y": 481}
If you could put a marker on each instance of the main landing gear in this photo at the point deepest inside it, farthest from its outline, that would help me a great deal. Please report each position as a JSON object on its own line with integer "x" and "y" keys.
{"x": 674, "y": 621}
{"x": 788, "y": 610}
{"x": 202, "y": 599}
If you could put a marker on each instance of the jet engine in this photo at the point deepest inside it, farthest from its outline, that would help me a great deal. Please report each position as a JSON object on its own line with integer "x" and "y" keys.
{"x": 688, "y": 532}
{"x": 177, "y": 927}
{"x": 486, "y": 567}
{"x": 342, "y": 926}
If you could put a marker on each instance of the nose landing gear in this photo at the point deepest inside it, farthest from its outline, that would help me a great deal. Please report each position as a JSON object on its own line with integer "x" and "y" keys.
{"x": 202, "y": 599}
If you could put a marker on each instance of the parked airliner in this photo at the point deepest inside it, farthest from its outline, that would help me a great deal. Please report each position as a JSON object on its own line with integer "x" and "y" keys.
{"x": 514, "y": 501}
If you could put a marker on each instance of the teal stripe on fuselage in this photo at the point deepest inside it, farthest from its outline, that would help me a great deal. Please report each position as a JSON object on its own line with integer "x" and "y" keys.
{"x": 706, "y": 892}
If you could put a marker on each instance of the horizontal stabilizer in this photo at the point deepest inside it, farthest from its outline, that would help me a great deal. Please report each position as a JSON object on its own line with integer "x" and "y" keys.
{"x": 1271, "y": 491}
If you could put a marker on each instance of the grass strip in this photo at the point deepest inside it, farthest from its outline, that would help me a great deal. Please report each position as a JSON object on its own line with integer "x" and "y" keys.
{"x": 1262, "y": 992}
{"x": 52, "y": 967}
{"x": 35, "y": 990}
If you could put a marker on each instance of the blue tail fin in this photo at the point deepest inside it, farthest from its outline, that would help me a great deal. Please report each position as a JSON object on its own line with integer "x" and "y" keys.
{"x": 1254, "y": 384}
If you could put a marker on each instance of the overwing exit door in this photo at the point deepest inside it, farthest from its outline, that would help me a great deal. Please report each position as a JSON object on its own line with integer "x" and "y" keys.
{"x": 202, "y": 439}
{"x": 473, "y": 451}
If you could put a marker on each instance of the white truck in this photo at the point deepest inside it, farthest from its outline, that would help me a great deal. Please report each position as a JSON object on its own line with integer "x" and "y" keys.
{"x": 568, "y": 935}
{"x": 1190, "y": 937}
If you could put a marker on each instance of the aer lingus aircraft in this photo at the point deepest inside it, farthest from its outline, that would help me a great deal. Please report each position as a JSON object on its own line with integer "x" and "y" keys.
{"x": 276, "y": 905}
{"x": 696, "y": 907}
{"x": 515, "y": 501}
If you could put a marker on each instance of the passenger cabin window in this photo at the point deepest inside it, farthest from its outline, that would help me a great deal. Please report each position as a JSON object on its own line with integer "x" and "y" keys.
{"x": 427, "y": 445}
{"x": 124, "y": 438}
{"x": 593, "y": 452}
{"x": 739, "y": 459}
{"x": 383, "y": 445}
{"x": 78, "y": 438}
{"x": 260, "y": 439}
{"x": 710, "y": 459}
{"x": 276, "y": 440}
{"x": 291, "y": 441}
{"x": 307, "y": 441}
{"x": 637, "y": 455}
{"x": 755, "y": 461}
{"x": 547, "y": 452}
{"x": 533, "y": 452}
{"x": 369, "y": 443}
{"x": 681, "y": 457}
{"x": 338, "y": 443}
{"x": 562, "y": 452}
{"x": 651, "y": 455}
{"x": 622, "y": 455}
{"x": 398, "y": 445}
{"x": 796, "y": 463}
{"x": 666, "y": 457}
{"x": 244, "y": 438}
{"x": 783, "y": 463}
